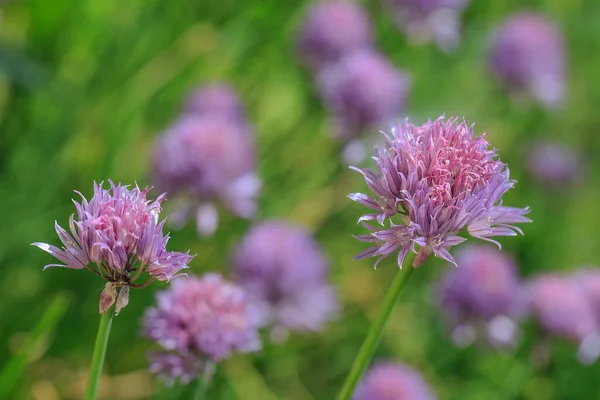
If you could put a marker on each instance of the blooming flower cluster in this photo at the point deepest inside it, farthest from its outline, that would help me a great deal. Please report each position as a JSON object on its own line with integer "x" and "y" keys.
{"x": 430, "y": 20}
{"x": 528, "y": 56}
{"x": 198, "y": 322}
{"x": 433, "y": 182}
{"x": 208, "y": 156}
{"x": 284, "y": 272}
{"x": 483, "y": 297}
{"x": 119, "y": 231}
{"x": 393, "y": 381}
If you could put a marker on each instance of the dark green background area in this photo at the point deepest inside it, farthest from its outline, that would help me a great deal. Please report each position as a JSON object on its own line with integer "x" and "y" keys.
{"x": 86, "y": 86}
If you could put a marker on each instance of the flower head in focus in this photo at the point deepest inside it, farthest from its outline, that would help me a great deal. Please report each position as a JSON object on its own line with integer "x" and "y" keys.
{"x": 393, "y": 381}
{"x": 433, "y": 182}
{"x": 283, "y": 270}
{"x": 430, "y": 20}
{"x": 216, "y": 100}
{"x": 363, "y": 90}
{"x": 198, "y": 322}
{"x": 332, "y": 29}
{"x": 207, "y": 160}
{"x": 119, "y": 231}
{"x": 484, "y": 292}
{"x": 528, "y": 55}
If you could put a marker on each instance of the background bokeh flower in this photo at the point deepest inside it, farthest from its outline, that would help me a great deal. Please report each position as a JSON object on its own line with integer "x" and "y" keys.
{"x": 393, "y": 381}
{"x": 483, "y": 295}
{"x": 527, "y": 54}
{"x": 197, "y": 322}
{"x": 285, "y": 273}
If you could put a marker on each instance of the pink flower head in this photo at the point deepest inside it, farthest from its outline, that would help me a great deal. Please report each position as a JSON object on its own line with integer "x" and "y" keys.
{"x": 197, "y": 322}
{"x": 332, "y": 29}
{"x": 393, "y": 381}
{"x": 561, "y": 308}
{"x": 119, "y": 231}
{"x": 430, "y": 20}
{"x": 283, "y": 269}
{"x": 215, "y": 100}
{"x": 433, "y": 182}
{"x": 208, "y": 159}
{"x": 484, "y": 292}
{"x": 363, "y": 90}
{"x": 528, "y": 55}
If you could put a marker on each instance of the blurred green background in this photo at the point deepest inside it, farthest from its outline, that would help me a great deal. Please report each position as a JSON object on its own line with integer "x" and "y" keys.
{"x": 85, "y": 87}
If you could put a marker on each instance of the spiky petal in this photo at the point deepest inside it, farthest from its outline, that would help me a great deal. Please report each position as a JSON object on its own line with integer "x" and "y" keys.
{"x": 117, "y": 229}
{"x": 433, "y": 182}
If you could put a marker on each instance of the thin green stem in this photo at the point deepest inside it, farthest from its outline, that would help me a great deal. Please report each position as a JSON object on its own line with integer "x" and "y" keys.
{"x": 365, "y": 354}
{"x": 200, "y": 391}
{"x": 99, "y": 352}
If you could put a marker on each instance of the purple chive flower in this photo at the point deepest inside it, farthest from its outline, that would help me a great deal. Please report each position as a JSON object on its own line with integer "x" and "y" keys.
{"x": 216, "y": 100}
{"x": 430, "y": 20}
{"x": 198, "y": 322}
{"x": 332, "y": 29}
{"x": 363, "y": 90}
{"x": 207, "y": 159}
{"x": 393, "y": 381}
{"x": 553, "y": 163}
{"x": 528, "y": 56}
{"x": 484, "y": 292}
{"x": 561, "y": 308}
{"x": 119, "y": 231}
{"x": 284, "y": 271}
{"x": 433, "y": 182}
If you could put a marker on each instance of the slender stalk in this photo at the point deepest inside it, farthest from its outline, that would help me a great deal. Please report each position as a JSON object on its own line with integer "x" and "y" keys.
{"x": 367, "y": 349}
{"x": 99, "y": 352}
{"x": 200, "y": 392}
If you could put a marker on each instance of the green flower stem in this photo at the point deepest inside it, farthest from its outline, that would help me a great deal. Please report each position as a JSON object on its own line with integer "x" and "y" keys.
{"x": 99, "y": 352}
{"x": 200, "y": 392}
{"x": 365, "y": 354}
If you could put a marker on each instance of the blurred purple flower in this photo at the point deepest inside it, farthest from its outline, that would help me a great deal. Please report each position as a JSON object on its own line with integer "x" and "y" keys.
{"x": 205, "y": 159}
{"x": 393, "y": 381}
{"x": 284, "y": 271}
{"x": 332, "y": 29}
{"x": 199, "y": 322}
{"x": 588, "y": 280}
{"x": 427, "y": 20}
{"x": 528, "y": 55}
{"x": 484, "y": 291}
{"x": 433, "y": 182}
{"x": 172, "y": 366}
{"x": 363, "y": 90}
{"x": 216, "y": 100}
{"x": 553, "y": 163}
{"x": 115, "y": 230}
{"x": 561, "y": 308}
